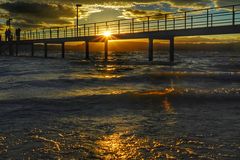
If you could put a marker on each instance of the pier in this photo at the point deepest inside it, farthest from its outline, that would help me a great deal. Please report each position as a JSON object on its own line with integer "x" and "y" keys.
{"x": 210, "y": 21}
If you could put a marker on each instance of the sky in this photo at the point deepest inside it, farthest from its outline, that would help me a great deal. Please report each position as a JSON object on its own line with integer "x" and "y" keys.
{"x": 46, "y": 13}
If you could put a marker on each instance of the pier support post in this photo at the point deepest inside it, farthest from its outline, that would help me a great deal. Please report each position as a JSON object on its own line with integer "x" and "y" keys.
{"x": 150, "y": 49}
{"x": 106, "y": 50}
{"x": 87, "y": 50}
{"x": 16, "y": 49}
{"x": 10, "y": 49}
{"x": 32, "y": 49}
{"x": 171, "y": 50}
{"x": 63, "y": 50}
{"x": 45, "y": 50}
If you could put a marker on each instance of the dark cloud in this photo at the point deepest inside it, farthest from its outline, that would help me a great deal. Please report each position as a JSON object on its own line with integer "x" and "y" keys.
{"x": 227, "y": 2}
{"x": 141, "y": 14}
{"x": 37, "y": 14}
{"x": 192, "y": 3}
{"x": 38, "y": 9}
{"x": 118, "y": 2}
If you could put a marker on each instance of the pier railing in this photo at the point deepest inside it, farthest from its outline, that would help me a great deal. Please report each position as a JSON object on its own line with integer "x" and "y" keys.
{"x": 211, "y": 17}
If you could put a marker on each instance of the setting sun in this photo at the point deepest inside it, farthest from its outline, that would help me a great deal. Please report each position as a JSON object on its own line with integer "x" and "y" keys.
{"x": 107, "y": 33}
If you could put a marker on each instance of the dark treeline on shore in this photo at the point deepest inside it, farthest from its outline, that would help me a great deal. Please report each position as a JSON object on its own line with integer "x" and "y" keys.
{"x": 143, "y": 46}
{"x": 122, "y": 46}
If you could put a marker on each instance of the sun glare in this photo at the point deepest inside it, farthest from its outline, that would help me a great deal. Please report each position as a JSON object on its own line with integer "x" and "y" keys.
{"x": 107, "y": 33}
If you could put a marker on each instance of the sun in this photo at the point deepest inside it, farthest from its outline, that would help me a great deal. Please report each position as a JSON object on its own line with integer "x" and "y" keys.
{"x": 107, "y": 33}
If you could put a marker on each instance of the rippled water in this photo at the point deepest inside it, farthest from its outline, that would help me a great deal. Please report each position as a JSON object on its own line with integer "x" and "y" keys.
{"x": 72, "y": 109}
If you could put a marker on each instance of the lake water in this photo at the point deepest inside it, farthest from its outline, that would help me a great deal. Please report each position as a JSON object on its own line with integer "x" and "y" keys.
{"x": 127, "y": 109}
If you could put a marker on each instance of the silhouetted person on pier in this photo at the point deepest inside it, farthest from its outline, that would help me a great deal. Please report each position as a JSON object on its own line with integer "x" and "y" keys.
{"x": 18, "y": 34}
{"x": 8, "y": 35}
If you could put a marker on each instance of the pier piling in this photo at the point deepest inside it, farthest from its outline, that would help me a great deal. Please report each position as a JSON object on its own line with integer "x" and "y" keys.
{"x": 171, "y": 50}
{"x": 106, "y": 50}
{"x": 32, "y": 49}
{"x": 150, "y": 49}
{"x": 10, "y": 49}
{"x": 63, "y": 50}
{"x": 87, "y": 50}
{"x": 16, "y": 49}
{"x": 45, "y": 50}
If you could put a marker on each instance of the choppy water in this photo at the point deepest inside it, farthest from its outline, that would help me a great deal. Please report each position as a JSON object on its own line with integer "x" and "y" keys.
{"x": 71, "y": 109}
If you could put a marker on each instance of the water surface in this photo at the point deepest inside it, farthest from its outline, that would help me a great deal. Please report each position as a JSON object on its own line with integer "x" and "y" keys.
{"x": 71, "y": 109}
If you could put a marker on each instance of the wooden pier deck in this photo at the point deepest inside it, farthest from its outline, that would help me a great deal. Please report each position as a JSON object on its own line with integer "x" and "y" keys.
{"x": 210, "y": 21}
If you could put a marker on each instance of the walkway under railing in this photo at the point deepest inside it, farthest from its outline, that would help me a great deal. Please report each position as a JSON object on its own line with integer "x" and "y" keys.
{"x": 211, "y": 17}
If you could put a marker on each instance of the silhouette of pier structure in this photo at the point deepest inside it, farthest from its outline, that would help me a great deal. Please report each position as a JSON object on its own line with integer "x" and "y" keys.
{"x": 210, "y": 21}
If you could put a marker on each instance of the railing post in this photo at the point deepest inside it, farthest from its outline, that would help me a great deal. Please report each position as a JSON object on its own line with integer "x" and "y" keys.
{"x": 211, "y": 20}
{"x": 158, "y": 25}
{"x": 72, "y": 32}
{"x": 165, "y": 21}
{"x": 95, "y": 29}
{"x": 119, "y": 29}
{"x": 88, "y": 31}
{"x": 191, "y": 21}
{"x": 106, "y": 26}
{"x": 185, "y": 20}
{"x": 36, "y": 34}
{"x": 143, "y": 26}
{"x": 58, "y": 32}
{"x": 31, "y": 34}
{"x": 207, "y": 17}
{"x": 43, "y": 32}
{"x": 174, "y": 23}
{"x": 50, "y": 33}
{"x": 233, "y": 13}
{"x": 133, "y": 25}
{"x": 130, "y": 26}
{"x": 148, "y": 23}
{"x": 84, "y": 28}
{"x": 66, "y": 32}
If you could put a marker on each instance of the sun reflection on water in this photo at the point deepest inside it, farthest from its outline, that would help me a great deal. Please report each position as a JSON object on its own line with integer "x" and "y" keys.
{"x": 125, "y": 146}
{"x": 119, "y": 146}
{"x": 159, "y": 92}
{"x": 167, "y": 106}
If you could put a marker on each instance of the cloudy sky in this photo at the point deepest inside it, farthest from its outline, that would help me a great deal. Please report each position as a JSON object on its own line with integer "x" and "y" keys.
{"x": 45, "y": 13}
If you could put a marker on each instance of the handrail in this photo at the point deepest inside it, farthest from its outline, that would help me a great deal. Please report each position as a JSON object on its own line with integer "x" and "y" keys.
{"x": 146, "y": 23}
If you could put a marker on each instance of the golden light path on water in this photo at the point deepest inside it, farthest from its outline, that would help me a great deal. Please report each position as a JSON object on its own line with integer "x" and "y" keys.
{"x": 123, "y": 143}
